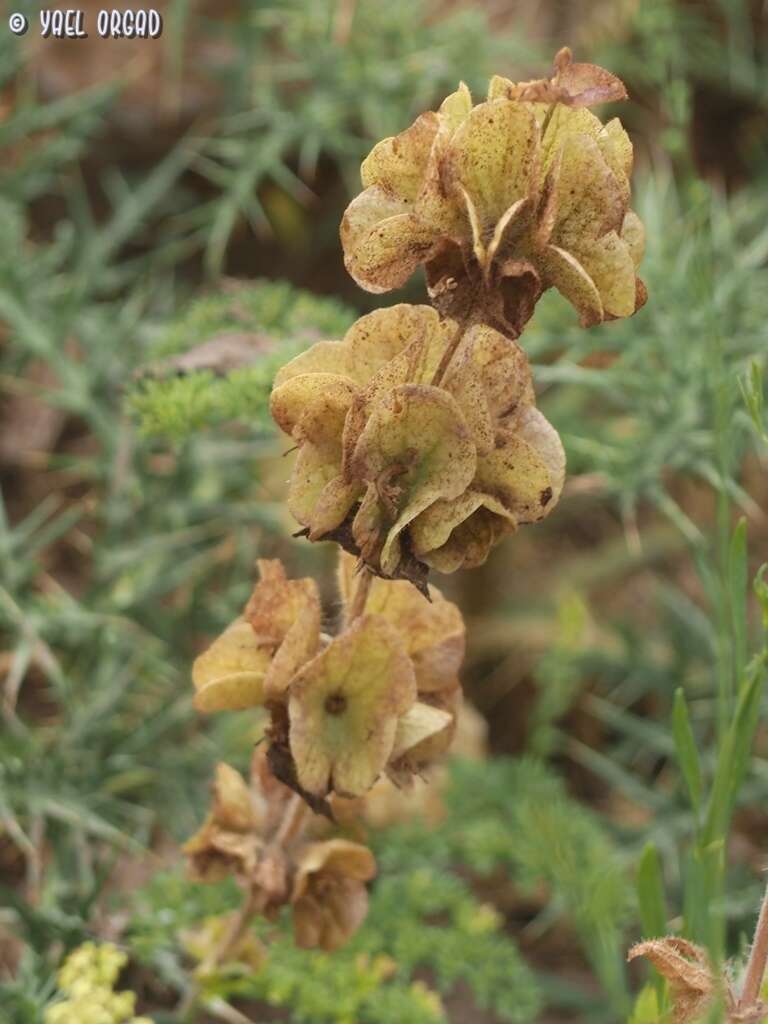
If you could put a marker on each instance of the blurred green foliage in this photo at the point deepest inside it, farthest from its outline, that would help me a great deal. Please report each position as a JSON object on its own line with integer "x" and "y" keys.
{"x": 279, "y": 321}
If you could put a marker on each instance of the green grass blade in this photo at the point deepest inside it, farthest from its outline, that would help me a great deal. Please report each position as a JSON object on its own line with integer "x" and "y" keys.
{"x": 685, "y": 746}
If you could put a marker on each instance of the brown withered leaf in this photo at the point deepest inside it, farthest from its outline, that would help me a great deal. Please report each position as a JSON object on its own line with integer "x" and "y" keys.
{"x": 219, "y": 355}
{"x": 686, "y": 967}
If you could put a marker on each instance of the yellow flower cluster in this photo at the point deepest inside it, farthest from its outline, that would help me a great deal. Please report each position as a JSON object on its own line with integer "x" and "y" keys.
{"x": 87, "y": 979}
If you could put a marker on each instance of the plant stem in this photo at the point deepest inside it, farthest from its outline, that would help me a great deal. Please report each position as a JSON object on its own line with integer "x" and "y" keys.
{"x": 238, "y": 928}
{"x": 256, "y": 898}
{"x": 360, "y": 596}
{"x": 758, "y": 956}
{"x": 454, "y": 343}
{"x": 291, "y": 822}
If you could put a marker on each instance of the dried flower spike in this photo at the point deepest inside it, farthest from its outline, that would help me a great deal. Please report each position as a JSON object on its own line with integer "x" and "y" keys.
{"x": 419, "y": 445}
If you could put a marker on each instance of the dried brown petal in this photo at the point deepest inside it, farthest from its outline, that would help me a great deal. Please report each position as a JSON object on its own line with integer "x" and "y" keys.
{"x": 329, "y": 897}
{"x": 574, "y": 85}
{"x": 228, "y": 842}
{"x": 584, "y": 85}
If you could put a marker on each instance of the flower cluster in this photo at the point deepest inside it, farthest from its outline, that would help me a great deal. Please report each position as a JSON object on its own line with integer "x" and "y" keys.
{"x": 380, "y": 697}
{"x": 245, "y": 835}
{"x": 87, "y": 978}
{"x": 502, "y": 200}
{"x": 419, "y": 443}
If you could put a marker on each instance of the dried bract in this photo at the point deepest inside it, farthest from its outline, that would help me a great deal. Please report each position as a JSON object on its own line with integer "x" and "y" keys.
{"x": 440, "y": 451}
{"x": 502, "y": 200}
{"x": 344, "y": 709}
{"x": 430, "y": 629}
{"x": 329, "y": 897}
{"x": 228, "y": 843}
{"x": 341, "y": 709}
{"x": 688, "y": 971}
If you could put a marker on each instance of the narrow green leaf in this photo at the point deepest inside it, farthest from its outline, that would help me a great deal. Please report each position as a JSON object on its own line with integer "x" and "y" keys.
{"x": 646, "y": 1009}
{"x": 652, "y": 906}
{"x": 650, "y": 894}
{"x": 735, "y": 752}
{"x": 738, "y": 571}
{"x": 760, "y": 586}
{"x": 685, "y": 746}
{"x": 753, "y": 392}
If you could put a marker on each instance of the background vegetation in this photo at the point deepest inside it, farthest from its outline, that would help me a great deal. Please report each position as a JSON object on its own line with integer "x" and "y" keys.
{"x": 156, "y": 195}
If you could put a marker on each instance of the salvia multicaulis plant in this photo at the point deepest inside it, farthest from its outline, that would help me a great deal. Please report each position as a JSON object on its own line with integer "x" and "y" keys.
{"x": 420, "y": 447}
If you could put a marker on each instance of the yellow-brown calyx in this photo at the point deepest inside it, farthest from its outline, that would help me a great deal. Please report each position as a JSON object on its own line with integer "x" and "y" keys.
{"x": 695, "y": 985}
{"x": 329, "y": 896}
{"x": 501, "y": 200}
{"x": 381, "y": 697}
{"x": 253, "y": 833}
{"x": 419, "y": 442}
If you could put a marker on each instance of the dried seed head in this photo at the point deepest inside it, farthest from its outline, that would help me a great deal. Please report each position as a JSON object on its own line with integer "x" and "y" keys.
{"x": 329, "y": 897}
{"x": 499, "y": 201}
{"x": 335, "y": 710}
{"x": 439, "y": 452}
{"x": 229, "y": 841}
